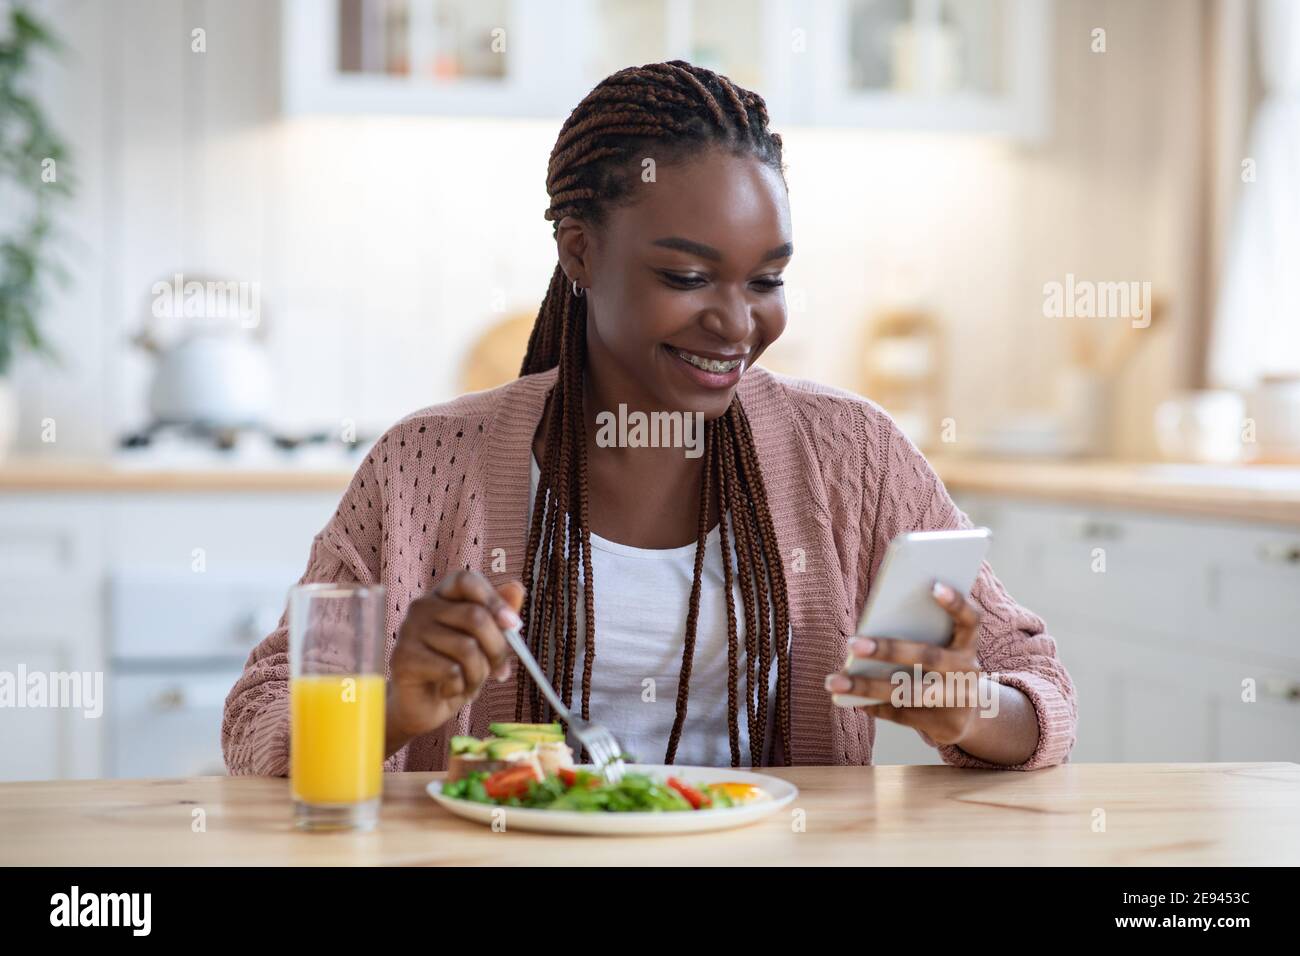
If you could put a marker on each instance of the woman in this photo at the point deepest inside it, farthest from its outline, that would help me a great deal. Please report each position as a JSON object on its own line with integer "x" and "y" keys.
{"x": 672, "y": 228}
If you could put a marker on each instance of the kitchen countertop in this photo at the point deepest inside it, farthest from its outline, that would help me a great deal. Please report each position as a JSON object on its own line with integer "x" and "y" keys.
{"x": 1269, "y": 493}
{"x": 100, "y": 475}
{"x": 1158, "y": 814}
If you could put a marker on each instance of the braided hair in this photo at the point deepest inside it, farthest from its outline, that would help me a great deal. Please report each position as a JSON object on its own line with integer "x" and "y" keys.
{"x": 668, "y": 110}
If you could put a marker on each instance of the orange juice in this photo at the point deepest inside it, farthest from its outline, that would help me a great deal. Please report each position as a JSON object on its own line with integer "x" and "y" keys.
{"x": 336, "y": 742}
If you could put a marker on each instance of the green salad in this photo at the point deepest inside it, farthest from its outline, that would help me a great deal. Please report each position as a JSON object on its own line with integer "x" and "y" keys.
{"x": 588, "y": 792}
{"x": 530, "y": 766}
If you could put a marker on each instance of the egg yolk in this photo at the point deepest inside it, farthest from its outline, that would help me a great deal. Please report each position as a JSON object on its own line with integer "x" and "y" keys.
{"x": 739, "y": 792}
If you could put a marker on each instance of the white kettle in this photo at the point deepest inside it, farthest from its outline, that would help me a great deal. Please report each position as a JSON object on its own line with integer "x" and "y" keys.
{"x": 213, "y": 374}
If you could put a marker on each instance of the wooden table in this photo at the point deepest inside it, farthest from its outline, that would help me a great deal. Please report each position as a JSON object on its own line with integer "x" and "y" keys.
{"x": 1161, "y": 814}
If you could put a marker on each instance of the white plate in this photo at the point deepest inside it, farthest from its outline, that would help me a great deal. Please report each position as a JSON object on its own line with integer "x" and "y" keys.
{"x": 779, "y": 792}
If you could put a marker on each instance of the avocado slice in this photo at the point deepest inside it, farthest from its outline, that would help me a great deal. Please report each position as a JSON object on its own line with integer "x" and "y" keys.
{"x": 537, "y": 736}
{"x": 468, "y": 745}
{"x": 514, "y": 730}
{"x": 500, "y": 749}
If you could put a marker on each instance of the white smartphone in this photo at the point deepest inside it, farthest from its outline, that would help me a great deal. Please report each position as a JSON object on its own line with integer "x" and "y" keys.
{"x": 901, "y": 601}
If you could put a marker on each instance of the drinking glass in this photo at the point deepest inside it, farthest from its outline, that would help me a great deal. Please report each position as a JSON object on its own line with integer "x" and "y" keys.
{"x": 336, "y": 699}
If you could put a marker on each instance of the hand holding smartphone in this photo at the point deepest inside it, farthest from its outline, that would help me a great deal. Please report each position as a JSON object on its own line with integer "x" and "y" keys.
{"x": 901, "y": 603}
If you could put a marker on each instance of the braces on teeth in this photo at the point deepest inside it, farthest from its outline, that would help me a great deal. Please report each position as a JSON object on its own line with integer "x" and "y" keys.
{"x": 709, "y": 365}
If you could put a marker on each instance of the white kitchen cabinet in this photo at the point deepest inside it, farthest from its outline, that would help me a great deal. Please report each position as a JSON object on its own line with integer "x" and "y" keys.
{"x": 975, "y": 66}
{"x": 1253, "y": 593}
{"x": 160, "y": 594}
{"x": 1098, "y": 735}
{"x": 1140, "y": 701}
{"x": 49, "y": 742}
{"x": 1160, "y": 643}
{"x": 1259, "y": 731}
{"x": 176, "y": 716}
{"x": 937, "y": 65}
{"x": 1160, "y": 721}
{"x": 50, "y": 552}
{"x": 427, "y": 56}
{"x": 513, "y": 57}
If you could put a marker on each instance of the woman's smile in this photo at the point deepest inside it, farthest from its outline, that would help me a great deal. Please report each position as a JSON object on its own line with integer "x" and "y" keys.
{"x": 710, "y": 370}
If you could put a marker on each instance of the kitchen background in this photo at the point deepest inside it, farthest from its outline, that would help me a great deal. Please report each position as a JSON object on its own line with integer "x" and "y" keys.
{"x": 370, "y": 174}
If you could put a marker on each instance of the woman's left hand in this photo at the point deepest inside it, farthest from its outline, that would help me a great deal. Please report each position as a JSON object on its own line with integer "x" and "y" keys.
{"x": 951, "y": 717}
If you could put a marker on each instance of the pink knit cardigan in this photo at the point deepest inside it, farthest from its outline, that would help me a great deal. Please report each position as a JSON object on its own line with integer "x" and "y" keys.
{"x": 446, "y": 486}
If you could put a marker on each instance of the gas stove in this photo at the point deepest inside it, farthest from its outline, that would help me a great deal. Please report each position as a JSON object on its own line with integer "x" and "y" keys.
{"x": 161, "y": 445}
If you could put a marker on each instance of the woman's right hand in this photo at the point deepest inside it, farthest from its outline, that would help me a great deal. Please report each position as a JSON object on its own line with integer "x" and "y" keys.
{"x": 448, "y": 645}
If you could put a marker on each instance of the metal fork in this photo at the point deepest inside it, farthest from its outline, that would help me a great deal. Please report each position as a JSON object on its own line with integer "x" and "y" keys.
{"x": 599, "y": 742}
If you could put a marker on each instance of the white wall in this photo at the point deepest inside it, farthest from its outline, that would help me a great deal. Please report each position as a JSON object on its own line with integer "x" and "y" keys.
{"x": 382, "y": 244}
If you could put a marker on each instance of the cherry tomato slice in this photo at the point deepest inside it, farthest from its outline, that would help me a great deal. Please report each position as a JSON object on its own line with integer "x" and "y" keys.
{"x": 510, "y": 782}
{"x": 694, "y": 797}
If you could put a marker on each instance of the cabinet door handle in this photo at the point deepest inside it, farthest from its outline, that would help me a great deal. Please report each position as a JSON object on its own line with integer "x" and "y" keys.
{"x": 171, "y": 699}
{"x": 1284, "y": 689}
{"x": 1279, "y": 552}
{"x": 255, "y": 625}
{"x": 246, "y": 631}
{"x": 1097, "y": 528}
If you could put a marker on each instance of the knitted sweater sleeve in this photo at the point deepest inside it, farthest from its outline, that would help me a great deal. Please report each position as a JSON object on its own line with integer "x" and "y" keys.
{"x": 255, "y": 723}
{"x": 1013, "y": 642}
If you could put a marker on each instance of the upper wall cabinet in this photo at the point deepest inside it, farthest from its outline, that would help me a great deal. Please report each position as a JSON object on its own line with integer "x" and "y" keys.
{"x": 944, "y": 65}
{"x": 978, "y": 66}
{"x": 449, "y": 57}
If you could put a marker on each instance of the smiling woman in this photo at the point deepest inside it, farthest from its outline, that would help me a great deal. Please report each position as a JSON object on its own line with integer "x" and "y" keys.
{"x": 679, "y": 269}
{"x": 697, "y": 604}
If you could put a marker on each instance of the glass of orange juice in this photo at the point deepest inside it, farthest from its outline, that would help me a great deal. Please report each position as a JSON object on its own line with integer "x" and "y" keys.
{"x": 336, "y": 704}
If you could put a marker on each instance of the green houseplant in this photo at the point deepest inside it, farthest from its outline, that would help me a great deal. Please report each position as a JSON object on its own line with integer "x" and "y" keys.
{"x": 32, "y": 181}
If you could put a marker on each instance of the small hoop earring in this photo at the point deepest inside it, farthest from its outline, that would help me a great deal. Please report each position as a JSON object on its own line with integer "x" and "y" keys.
{"x": 578, "y": 291}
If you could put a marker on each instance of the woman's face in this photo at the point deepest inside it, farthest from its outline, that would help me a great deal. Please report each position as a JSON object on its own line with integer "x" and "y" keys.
{"x": 684, "y": 284}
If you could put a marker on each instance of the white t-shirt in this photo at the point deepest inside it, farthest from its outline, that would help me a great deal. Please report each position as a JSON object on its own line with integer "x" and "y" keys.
{"x": 642, "y": 598}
